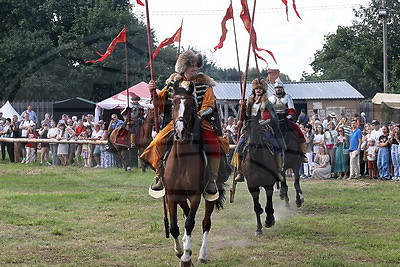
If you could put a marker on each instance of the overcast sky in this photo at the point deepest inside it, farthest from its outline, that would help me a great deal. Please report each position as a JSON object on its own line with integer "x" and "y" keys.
{"x": 293, "y": 42}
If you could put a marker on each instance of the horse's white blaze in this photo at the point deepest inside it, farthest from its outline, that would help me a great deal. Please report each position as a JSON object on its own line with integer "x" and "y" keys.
{"x": 179, "y": 124}
{"x": 181, "y": 110}
{"x": 187, "y": 248}
{"x": 203, "y": 249}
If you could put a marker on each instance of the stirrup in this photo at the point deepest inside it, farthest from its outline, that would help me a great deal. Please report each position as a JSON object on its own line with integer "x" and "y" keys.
{"x": 211, "y": 197}
{"x": 159, "y": 192}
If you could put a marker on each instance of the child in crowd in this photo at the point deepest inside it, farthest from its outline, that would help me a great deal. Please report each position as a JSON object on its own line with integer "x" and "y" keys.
{"x": 31, "y": 147}
{"x": 85, "y": 147}
{"x": 371, "y": 157}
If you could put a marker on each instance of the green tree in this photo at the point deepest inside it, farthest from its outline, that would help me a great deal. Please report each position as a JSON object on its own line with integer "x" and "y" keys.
{"x": 354, "y": 53}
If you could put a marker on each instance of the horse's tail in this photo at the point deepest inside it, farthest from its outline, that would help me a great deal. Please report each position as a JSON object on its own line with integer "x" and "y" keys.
{"x": 219, "y": 203}
{"x": 224, "y": 172}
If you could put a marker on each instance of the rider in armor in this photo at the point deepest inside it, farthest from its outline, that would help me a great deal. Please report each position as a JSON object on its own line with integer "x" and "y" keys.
{"x": 136, "y": 117}
{"x": 260, "y": 109}
{"x": 186, "y": 69}
{"x": 284, "y": 108}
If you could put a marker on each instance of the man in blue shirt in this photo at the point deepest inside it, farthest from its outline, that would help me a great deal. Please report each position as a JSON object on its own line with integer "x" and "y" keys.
{"x": 32, "y": 115}
{"x": 354, "y": 149}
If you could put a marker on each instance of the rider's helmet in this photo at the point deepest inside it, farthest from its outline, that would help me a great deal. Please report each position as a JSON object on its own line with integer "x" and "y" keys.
{"x": 279, "y": 87}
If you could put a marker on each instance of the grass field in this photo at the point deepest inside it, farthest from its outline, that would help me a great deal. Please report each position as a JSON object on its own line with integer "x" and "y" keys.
{"x": 66, "y": 216}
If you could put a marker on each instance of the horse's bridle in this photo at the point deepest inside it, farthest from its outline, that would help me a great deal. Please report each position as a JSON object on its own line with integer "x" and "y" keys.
{"x": 181, "y": 119}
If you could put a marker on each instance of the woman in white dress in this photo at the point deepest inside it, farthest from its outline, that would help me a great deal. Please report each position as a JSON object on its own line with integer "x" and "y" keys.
{"x": 62, "y": 149}
{"x": 321, "y": 167}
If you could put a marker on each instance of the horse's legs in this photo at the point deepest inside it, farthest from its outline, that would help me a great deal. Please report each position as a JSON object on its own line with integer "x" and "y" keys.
{"x": 185, "y": 207}
{"x": 284, "y": 190}
{"x": 299, "y": 193}
{"x": 269, "y": 208}
{"x": 189, "y": 225}
{"x": 255, "y": 193}
{"x": 206, "y": 229}
{"x": 174, "y": 228}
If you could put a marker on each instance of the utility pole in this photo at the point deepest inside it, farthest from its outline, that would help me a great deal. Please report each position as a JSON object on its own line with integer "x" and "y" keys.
{"x": 383, "y": 15}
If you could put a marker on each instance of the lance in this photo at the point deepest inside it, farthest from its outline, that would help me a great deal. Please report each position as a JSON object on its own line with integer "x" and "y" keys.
{"x": 180, "y": 38}
{"x": 128, "y": 119}
{"x": 156, "y": 124}
{"x": 241, "y": 110}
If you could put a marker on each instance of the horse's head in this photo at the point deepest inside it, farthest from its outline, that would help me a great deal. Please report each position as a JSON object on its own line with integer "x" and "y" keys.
{"x": 184, "y": 111}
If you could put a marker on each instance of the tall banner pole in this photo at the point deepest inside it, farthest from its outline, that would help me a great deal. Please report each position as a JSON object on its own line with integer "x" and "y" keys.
{"x": 128, "y": 118}
{"x": 241, "y": 110}
{"x": 156, "y": 124}
{"x": 150, "y": 47}
{"x": 180, "y": 38}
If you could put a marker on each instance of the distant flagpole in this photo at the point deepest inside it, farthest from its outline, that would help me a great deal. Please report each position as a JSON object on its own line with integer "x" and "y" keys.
{"x": 150, "y": 48}
{"x": 127, "y": 79}
{"x": 180, "y": 39}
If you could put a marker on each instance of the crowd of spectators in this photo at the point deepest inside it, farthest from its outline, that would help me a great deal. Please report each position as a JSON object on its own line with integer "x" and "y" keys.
{"x": 351, "y": 148}
{"x": 345, "y": 148}
{"x": 82, "y": 155}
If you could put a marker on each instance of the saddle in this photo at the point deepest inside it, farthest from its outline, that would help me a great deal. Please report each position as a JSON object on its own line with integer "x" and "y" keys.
{"x": 123, "y": 137}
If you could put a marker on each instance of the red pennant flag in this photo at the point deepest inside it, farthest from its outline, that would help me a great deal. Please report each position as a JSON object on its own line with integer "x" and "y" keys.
{"x": 121, "y": 38}
{"x": 139, "y": 2}
{"x": 228, "y": 16}
{"x": 287, "y": 9}
{"x": 295, "y": 9}
{"x": 174, "y": 38}
{"x": 285, "y": 2}
{"x": 245, "y": 16}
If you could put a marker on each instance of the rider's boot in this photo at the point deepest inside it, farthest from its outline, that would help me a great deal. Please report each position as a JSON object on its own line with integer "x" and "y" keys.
{"x": 211, "y": 187}
{"x": 239, "y": 175}
{"x": 303, "y": 149}
{"x": 278, "y": 161}
{"x": 158, "y": 185}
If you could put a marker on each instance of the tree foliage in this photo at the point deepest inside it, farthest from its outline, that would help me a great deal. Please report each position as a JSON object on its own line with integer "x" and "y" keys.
{"x": 44, "y": 44}
{"x": 355, "y": 54}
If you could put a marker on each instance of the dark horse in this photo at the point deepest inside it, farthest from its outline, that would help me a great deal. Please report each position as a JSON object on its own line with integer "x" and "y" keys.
{"x": 293, "y": 160}
{"x": 260, "y": 170}
{"x": 120, "y": 139}
{"x": 185, "y": 168}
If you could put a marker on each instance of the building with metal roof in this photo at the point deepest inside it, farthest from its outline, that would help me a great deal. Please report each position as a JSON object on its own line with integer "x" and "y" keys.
{"x": 335, "y": 96}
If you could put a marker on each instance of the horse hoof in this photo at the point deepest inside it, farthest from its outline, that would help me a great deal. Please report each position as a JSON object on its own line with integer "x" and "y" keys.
{"x": 282, "y": 196}
{"x": 128, "y": 169}
{"x": 202, "y": 261}
{"x": 299, "y": 202}
{"x": 186, "y": 263}
{"x": 258, "y": 233}
{"x": 178, "y": 253}
{"x": 270, "y": 221}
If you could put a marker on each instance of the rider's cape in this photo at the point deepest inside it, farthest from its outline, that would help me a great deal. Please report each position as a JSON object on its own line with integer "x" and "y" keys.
{"x": 267, "y": 112}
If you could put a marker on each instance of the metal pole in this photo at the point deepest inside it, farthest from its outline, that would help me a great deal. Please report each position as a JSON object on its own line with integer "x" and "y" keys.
{"x": 385, "y": 61}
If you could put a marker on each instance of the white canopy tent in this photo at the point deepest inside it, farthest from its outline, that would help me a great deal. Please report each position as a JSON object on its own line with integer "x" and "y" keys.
{"x": 118, "y": 101}
{"x": 9, "y": 111}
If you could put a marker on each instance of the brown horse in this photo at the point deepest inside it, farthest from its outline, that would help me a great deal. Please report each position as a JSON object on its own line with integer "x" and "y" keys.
{"x": 260, "y": 170}
{"x": 293, "y": 160}
{"x": 120, "y": 139}
{"x": 183, "y": 177}
{"x": 145, "y": 135}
